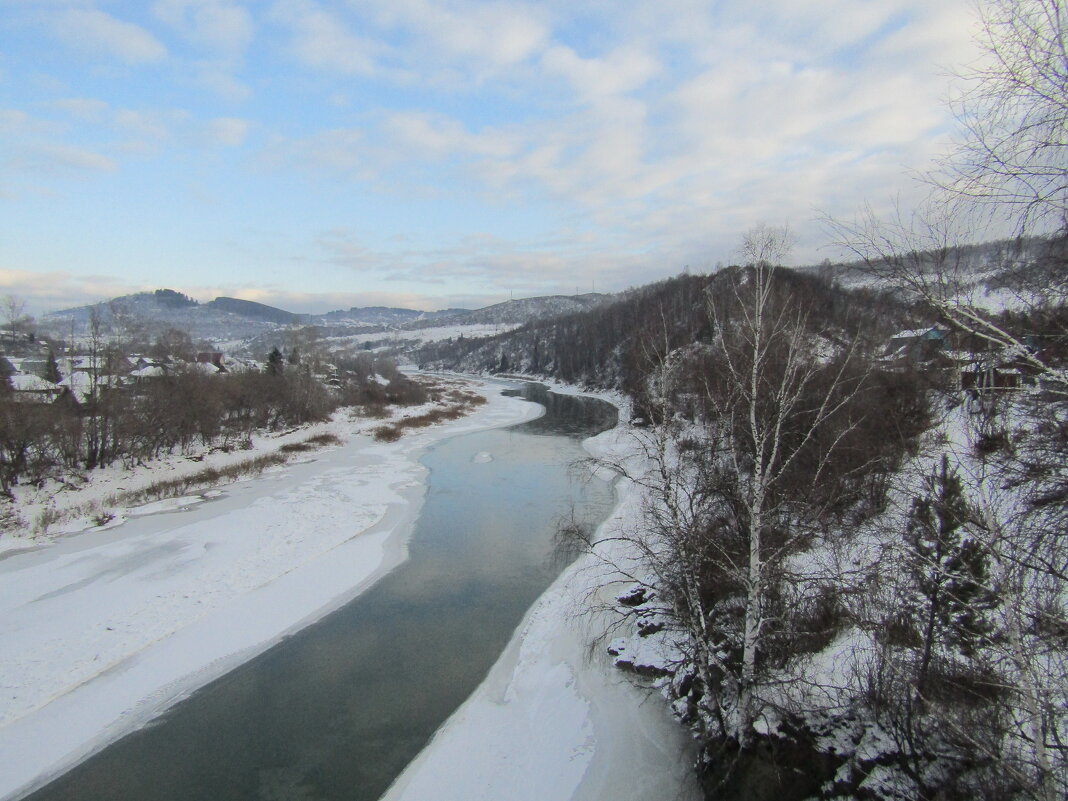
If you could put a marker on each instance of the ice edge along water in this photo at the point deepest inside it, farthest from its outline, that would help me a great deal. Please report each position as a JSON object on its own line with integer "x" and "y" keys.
{"x": 189, "y": 596}
{"x": 554, "y": 719}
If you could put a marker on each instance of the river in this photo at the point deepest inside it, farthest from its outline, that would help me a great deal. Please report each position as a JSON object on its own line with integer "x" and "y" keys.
{"x": 337, "y": 710}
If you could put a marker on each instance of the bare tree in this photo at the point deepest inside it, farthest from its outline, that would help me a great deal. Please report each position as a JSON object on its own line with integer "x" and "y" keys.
{"x": 14, "y": 314}
{"x": 1028, "y": 571}
{"x": 919, "y": 254}
{"x": 1010, "y": 164}
{"x": 1013, "y": 155}
{"x": 772, "y": 402}
{"x": 752, "y": 451}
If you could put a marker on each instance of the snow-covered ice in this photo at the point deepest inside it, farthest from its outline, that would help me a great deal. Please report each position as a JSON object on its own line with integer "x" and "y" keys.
{"x": 101, "y": 631}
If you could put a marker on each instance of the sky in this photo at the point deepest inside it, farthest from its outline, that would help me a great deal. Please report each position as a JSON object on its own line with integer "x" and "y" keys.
{"x": 322, "y": 154}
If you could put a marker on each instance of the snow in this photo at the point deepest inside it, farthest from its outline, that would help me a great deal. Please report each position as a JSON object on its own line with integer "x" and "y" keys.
{"x": 81, "y": 384}
{"x": 554, "y": 719}
{"x": 423, "y": 336}
{"x": 166, "y": 505}
{"x": 27, "y": 382}
{"x": 102, "y": 631}
{"x": 148, "y": 371}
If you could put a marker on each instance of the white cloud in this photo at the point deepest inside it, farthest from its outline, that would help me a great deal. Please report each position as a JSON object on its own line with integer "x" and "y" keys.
{"x": 16, "y": 122}
{"x": 493, "y": 264}
{"x": 50, "y": 157}
{"x": 220, "y": 79}
{"x": 85, "y": 109}
{"x": 218, "y": 24}
{"x": 336, "y": 152}
{"x": 623, "y": 70}
{"x": 29, "y": 144}
{"x": 637, "y": 134}
{"x": 500, "y": 34}
{"x": 78, "y": 157}
{"x": 323, "y": 41}
{"x": 825, "y": 25}
{"x": 146, "y": 125}
{"x": 689, "y": 124}
{"x": 96, "y": 31}
{"x": 422, "y": 135}
{"x": 54, "y": 290}
{"x": 228, "y": 131}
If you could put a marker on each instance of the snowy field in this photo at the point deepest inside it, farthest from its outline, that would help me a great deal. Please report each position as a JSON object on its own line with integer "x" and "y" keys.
{"x": 102, "y": 630}
{"x": 424, "y": 335}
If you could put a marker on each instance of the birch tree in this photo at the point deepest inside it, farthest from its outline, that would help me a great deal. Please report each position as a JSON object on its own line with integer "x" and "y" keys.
{"x": 754, "y": 453}
{"x": 1012, "y": 154}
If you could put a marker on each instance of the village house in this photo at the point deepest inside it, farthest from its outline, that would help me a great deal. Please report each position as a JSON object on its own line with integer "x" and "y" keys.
{"x": 968, "y": 364}
{"x": 916, "y": 345}
{"x": 30, "y": 388}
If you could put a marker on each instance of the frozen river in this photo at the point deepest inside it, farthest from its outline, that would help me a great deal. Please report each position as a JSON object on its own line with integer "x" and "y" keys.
{"x": 340, "y": 707}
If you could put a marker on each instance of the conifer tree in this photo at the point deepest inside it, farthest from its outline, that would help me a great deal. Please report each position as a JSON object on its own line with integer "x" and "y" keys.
{"x": 52, "y": 368}
{"x": 275, "y": 362}
{"x": 948, "y": 570}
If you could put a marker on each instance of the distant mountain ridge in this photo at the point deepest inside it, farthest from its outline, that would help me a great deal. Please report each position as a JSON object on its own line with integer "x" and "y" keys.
{"x": 231, "y": 320}
{"x": 254, "y": 311}
{"x": 170, "y": 306}
{"x": 523, "y": 310}
{"x": 383, "y": 315}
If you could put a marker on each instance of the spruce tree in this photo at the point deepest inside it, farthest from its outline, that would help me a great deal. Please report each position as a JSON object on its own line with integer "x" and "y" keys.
{"x": 51, "y": 372}
{"x": 948, "y": 571}
{"x": 275, "y": 362}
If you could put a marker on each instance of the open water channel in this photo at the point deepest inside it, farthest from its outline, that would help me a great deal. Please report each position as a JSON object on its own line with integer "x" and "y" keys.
{"x": 339, "y": 709}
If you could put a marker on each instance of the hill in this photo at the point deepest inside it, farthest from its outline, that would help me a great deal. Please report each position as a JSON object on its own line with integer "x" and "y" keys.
{"x": 384, "y": 316}
{"x": 613, "y": 343}
{"x": 524, "y": 310}
{"x": 251, "y": 310}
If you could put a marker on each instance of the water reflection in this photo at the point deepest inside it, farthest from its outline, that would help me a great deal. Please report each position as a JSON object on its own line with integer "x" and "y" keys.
{"x": 340, "y": 708}
{"x": 564, "y": 415}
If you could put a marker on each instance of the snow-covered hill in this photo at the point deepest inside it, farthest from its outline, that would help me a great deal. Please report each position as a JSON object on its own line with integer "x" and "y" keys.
{"x": 147, "y": 313}
{"x": 524, "y": 310}
{"x": 240, "y": 325}
{"x": 381, "y": 316}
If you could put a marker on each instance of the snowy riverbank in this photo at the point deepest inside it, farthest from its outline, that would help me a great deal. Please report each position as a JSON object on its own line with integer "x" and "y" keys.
{"x": 101, "y": 631}
{"x": 554, "y": 719}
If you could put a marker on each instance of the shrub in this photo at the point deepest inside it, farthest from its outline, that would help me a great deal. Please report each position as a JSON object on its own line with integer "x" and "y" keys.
{"x": 387, "y": 434}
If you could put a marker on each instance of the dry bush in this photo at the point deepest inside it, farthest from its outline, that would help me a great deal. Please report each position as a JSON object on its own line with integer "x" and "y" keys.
{"x": 323, "y": 439}
{"x": 387, "y": 434}
{"x": 374, "y": 410}
{"x": 432, "y": 417}
{"x": 295, "y": 447}
{"x": 177, "y": 487}
{"x": 158, "y": 490}
{"x": 310, "y": 444}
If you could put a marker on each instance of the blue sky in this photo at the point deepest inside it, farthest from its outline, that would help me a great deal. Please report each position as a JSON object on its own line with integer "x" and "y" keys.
{"x": 318, "y": 154}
